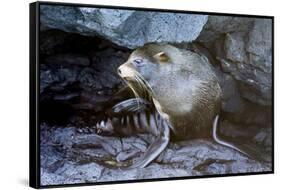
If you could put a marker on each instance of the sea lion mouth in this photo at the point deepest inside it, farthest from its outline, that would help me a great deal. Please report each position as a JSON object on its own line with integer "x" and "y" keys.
{"x": 139, "y": 86}
{"x": 137, "y": 83}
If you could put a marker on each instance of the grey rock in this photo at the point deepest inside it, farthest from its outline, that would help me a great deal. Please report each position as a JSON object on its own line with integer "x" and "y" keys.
{"x": 235, "y": 47}
{"x": 260, "y": 44}
{"x": 264, "y": 137}
{"x": 243, "y": 46}
{"x": 231, "y": 99}
{"x": 220, "y": 25}
{"x": 124, "y": 27}
{"x": 57, "y": 78}
{"x": 254, "y": 84}
{"x": 69, "y": 157}
{"x": 68, "y": 59}
{"x": 259, "y": 48}
{"x": 72, "y": 174}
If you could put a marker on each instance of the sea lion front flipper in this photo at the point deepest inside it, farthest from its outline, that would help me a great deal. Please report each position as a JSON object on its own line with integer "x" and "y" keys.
{"x": 156, "y": 147}
{"x": 131, "y": 106}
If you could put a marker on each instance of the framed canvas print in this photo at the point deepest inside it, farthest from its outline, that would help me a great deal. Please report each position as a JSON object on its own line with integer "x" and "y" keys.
{"x": 121, "y": 94}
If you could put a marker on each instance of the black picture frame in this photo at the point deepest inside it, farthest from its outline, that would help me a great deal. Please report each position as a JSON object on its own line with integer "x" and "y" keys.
{"x": 34, "y": 82}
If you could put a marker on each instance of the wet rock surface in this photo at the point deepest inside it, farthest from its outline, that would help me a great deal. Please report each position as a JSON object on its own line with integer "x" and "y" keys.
{"x": 78, "y": 79}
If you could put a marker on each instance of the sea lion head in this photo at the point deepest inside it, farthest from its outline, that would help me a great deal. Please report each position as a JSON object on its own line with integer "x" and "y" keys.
{"x": 143, "y": 65}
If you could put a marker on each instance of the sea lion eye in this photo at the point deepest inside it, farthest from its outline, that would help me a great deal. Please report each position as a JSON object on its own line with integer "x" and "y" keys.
{"x": 138, "y": 62}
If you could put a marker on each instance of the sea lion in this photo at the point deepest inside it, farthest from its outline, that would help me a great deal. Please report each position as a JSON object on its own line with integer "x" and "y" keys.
{"x": 181, "y": 89}
{"x": 184, "y": 88}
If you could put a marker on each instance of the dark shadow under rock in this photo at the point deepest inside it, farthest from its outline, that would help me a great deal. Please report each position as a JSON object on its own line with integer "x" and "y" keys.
{"x": 77, "y": 76}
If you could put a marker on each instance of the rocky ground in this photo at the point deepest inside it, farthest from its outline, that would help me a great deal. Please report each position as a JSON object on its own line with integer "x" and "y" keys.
{"x": 80, "y": 49}
{"x": 70, "y": 155}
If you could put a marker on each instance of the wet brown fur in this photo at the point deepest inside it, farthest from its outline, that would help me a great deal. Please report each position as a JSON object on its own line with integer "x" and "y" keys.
{"x": 185, "y": 86}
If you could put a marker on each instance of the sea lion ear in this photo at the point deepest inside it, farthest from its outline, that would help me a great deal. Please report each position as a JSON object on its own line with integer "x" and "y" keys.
{"x": 162, "y": 57}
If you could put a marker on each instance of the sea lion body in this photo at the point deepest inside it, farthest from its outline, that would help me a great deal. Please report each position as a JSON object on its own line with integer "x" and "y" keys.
{"x": 184, "y": 85}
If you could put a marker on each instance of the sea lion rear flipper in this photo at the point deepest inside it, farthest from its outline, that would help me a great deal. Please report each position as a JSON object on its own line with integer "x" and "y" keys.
{"x": 220, "y": 141}
{"x": 246, "y": 148}
{"x": 156, "y": 147}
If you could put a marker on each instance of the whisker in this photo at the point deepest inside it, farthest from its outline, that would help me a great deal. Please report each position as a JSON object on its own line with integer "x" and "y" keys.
{"x": 146, "y": 85}
{"x": 135, "y": 92}
{"x": 142, "y": 89}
